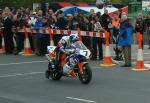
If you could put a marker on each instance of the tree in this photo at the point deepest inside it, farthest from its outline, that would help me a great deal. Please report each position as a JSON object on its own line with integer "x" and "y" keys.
{"x": 120, "y": 1}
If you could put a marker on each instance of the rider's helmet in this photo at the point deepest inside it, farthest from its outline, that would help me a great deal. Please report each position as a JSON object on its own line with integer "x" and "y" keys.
{"x": 73, "y": 38}
{"x": 64, "y": 40}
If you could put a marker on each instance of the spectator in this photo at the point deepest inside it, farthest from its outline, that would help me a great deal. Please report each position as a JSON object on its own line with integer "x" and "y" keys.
{"x": 70, "y": 22}
{"x": 61, "y": 21}
{"x": 44, "y": 41}
{"x": 139, "y": 25}
{"x": 86, "y": 39}
{"x": 125, "y": 39}
{"x": 27, "y": 11}
{"x": 98, "y": 14}
{"x": 32, "y": 36}
{"x": 91, "y": 19}
{"x": 97, "y": 41}
{"x": 75, "y": 21}
{"x": 7, "y": 10}
{"x": 51, "y": 21}
{"x": 15, "y": 15}
{"x": 32, "y": 20}
{"x": 115, "y": 33}
{"x": 105, "y": 18}
{"x": 51, "y": 14}
{"x": 81, "y": 21}
{"x": 19, "y": 23}
{"x": 1, "y": 25}
{"x": 39, "y": 36}
{"x": 23, "y": 13}
{"x": 147, "y": 25}
{"x": 8, "y": 35}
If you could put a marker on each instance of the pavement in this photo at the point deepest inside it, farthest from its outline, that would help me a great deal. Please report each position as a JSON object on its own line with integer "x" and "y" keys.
{"x": 22, "y": 80}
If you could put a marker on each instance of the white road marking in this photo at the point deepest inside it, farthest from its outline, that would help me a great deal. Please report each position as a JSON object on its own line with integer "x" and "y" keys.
{"x": 21, "y": 74}
{"x": 83, "y": 100}
{"x": 147, "y": 66}
{"x": 147, "y": 62}
{"x": 22, "y": 63}
{"x": 146, "y": 53}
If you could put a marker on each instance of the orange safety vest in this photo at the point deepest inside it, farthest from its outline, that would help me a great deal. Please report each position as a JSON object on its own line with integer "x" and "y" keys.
{"x": 115, "y": 22}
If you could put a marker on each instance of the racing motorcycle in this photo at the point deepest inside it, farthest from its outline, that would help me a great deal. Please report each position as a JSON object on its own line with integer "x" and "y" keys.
{"x": 82, "y": 70}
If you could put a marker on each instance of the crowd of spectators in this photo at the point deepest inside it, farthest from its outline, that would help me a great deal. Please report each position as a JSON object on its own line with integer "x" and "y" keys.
{"x": 17, "y": 18}
{"x": 37, "y": 20}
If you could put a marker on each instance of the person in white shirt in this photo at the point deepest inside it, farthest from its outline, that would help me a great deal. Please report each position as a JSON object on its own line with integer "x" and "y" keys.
{"x": 97, "y": 41}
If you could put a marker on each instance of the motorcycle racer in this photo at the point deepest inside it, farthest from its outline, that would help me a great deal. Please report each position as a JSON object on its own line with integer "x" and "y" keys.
{"x": 72, "y": 59}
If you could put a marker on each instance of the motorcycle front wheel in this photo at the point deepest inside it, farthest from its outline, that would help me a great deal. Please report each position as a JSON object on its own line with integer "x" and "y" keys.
{"x": 54, "y": 72}
{"x": 56, "y": 75}
{"x": 86, "y": 77}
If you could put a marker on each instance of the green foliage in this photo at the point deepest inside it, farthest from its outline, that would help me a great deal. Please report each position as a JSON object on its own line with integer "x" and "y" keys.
{"x": 120, "y": 1}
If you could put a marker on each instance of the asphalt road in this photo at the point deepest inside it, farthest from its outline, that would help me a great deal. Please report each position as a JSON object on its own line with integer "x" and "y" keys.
{"x": 22, "y": 80}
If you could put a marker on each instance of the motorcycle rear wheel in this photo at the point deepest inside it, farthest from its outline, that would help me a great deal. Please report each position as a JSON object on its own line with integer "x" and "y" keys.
{"x": 86, "y": 77}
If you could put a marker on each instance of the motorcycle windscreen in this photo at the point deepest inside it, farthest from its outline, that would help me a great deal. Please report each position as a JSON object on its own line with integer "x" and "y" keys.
{"x": 82, "y": 49}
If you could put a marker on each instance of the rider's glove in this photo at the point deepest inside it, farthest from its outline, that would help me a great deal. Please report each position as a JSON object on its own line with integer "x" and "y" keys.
{"x": 72, "y": 51}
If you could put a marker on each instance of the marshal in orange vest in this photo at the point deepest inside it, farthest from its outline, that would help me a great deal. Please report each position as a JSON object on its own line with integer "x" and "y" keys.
{"x": 115, "y": 22}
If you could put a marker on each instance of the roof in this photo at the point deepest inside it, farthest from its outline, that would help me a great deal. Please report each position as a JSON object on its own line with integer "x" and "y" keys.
{"x": 82, "y": 4}
{"x": 64, "y": 4}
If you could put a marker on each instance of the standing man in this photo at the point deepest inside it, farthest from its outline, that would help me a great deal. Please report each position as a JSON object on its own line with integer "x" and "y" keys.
{"x": 20, "y": 36}
{"x": 91, "y": 19}
{"x": 8, "y": 34}
{"x": 125, "y": 39}
{"x": 97, "y": 41}
{"x": 115, "y": 32}
{"x": 38, "y": 26}
{"x": 105, "y": 18}
{"x": 139, "y": 25}
{"x": 70, "y": 25}
{"x": 147, "y": 24}
{"x": 1, "y": 25}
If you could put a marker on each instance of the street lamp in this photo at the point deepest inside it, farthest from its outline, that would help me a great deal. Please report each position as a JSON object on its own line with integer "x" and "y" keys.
{"x": 102, "y": 3}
